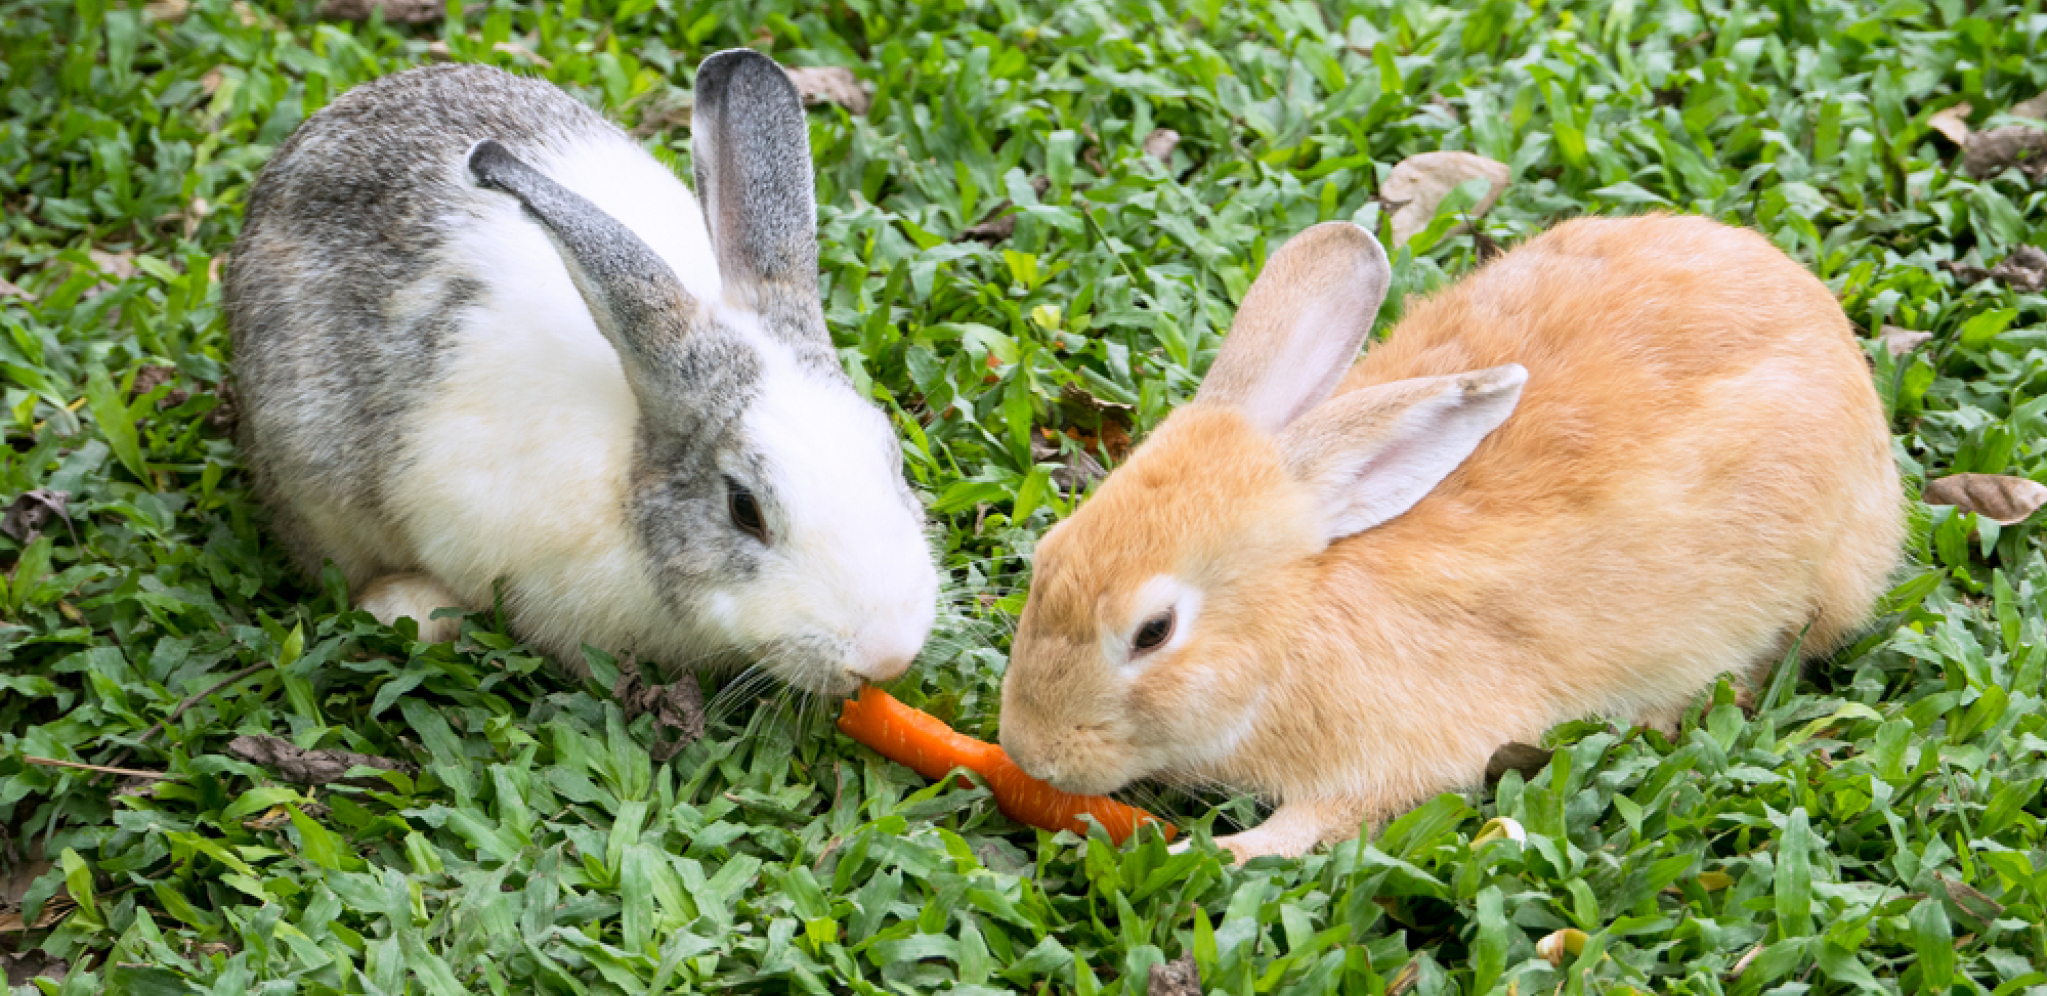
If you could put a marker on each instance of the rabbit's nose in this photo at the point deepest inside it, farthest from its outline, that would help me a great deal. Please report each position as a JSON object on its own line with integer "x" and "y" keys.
{"x": 883, "y": 652}
{"x": 881, "y": 668}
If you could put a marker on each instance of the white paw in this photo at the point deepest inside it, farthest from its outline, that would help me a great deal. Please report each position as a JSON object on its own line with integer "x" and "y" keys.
{"x": 415, "y": 595}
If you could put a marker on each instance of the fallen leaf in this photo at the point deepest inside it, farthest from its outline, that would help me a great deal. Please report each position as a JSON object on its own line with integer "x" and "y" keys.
{"x": 1741, "y": 964}
{"x": 1557, "y": 944}
{"x": 150, "y": 377}
{"x": 31, "y": 511}
{"x": 165, "y": 10}
{"x": 224, "y": 415}
{"x": 14, "y": 885}
{"x": 2025, "y": 269}
{"x": 1966, "y": 273}
{"x": 310, "y": 767}
{"x": 1989, "y": 153}
{"x": 2035, "y": 108}
{"x": 993, "y": 230}
{"x": 1076, "y": 471}
{"x": 1970, "y": 899}
{"x": 1418, "y": 185}
{"x": 9, "y": 288}
{"x": 1161, "y": 143}
{"x": 1901, "y": 341}
{"x": 2004, "y": 500}
{"x": 1952, "y": 122}
{"x": 395, "y": 11}
{"x": 1178, "y": 977}
{"x": 665, "y": 113}
{"x": 678, "y": 707}
{"x": 25, "y": 966}
{"x": 118, "y": 265}
{"x": 1404, "y": 979}
{"x": 211, "y": 80}
{"x": 830, "y": 84}
{"x": 1525, "y": 758}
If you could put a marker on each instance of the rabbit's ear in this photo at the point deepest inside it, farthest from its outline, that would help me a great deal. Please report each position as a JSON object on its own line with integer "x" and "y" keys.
{"x": 1371, "y": 454}
{"x": 633, "y": 295}
{"x": 1300, "y": 327}
{"x": 751, "y": 150}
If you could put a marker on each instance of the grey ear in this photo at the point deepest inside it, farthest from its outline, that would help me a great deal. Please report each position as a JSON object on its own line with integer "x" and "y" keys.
{"x": 751, "y": 150}
{"x": 632, "y": 294}
{"x": 1300, "y": 327}
{"x": 1370, "y": 454}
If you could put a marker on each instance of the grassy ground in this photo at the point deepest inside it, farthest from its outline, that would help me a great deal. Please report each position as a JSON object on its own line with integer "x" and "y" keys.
{"x": 1876, "y": 826}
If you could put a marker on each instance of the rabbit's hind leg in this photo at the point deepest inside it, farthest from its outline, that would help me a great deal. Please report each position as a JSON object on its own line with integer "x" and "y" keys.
{"x": 416, "y": 594}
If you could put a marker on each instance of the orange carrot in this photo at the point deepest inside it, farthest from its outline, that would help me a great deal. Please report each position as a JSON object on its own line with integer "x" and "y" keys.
{"x": 924, "y": 744}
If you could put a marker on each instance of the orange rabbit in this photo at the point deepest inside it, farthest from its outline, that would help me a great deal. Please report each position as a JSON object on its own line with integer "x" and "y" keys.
{"x": 1619, "y": 461}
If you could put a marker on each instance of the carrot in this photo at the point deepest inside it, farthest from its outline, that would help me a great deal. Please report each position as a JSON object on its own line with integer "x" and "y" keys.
{"x": 921, "y": 742}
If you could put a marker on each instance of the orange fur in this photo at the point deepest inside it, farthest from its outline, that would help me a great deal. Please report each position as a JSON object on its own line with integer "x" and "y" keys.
{"x": 1697, "y": 469}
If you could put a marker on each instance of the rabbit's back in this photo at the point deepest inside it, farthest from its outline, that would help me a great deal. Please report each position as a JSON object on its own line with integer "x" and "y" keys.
{"x": 1699, "y": 465}
{"x": 388, "y": 314}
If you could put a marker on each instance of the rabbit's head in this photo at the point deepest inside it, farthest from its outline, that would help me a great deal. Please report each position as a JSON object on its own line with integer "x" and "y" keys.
{"x": 766, "y": 495}
{"x": 1159, "y": 615}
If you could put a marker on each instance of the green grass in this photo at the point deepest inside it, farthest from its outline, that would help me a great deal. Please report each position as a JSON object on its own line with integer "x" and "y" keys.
{"x": 1876, "y": 826}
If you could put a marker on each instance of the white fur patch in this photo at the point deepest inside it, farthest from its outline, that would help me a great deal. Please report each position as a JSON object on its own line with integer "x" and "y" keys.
{"x": 521, "y": 466}
{"x": 856, "y": 566}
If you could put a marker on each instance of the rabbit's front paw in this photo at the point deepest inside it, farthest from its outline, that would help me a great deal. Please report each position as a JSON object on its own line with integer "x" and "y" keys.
{"x": 416, "y": 594}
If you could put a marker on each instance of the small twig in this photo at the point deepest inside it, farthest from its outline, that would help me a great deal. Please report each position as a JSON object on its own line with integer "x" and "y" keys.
{"x": 192, "y": 700}
{"x": 50, "y": 762}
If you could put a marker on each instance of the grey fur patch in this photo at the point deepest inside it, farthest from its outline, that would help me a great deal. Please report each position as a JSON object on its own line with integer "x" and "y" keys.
{"x": 346, "y": 220}
{"x": 750, "y": 146}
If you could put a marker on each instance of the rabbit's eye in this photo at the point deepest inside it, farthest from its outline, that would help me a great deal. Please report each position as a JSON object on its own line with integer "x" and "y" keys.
{"x": 1154, "y": 633}
{"x": 746, "y": 513}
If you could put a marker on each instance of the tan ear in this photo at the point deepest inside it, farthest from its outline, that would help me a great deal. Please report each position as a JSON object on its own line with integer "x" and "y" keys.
{"x": 1371, "y": 454}
{"x": 1300, "y": 327}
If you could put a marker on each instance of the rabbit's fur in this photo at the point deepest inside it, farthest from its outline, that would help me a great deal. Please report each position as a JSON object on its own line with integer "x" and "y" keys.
{"x": 1610, "y": 466}
{"x": 481, "y": 335}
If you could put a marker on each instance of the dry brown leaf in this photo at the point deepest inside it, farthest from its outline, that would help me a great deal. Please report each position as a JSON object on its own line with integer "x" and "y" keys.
{"x": 678, "y": 708}
{"x": 1525, "y": 758}
{"x": 1741, "y": 964}
{"x": 9, "y": 288}
{"x": 664, "y": 112}
{"x": 1557, "y": 944}
{"x": 166, "y": 10}
{"x": 1404, "y": 979}
{"x": 1419, "y": 183}
{"x": 14, "y": 886}
{"x": 1970, "y": 899}
{"x": 1077, "y": 471}
{"x": 1161, "y": 143}
{"x": 1901, "y": 341}
{"x": 2004, "y": 500}
{"x": 2035, "y": 108}
{"x": 31, "y": 511}
{"x": 1989, "y": 153}
{"x": 2025, "y": 269}
{"x": 211, "y": 80}
{"x": 395, "y": 11}
{"x": 118, "y": 265}
{"x": 24, "y": 967}
{"x": 830, "y": 84}
{"x": 310, "y": 767}
{"x": 1178, "y": 977}
{"x": 518, "y": 51}
{"x": 1952, "y": 122}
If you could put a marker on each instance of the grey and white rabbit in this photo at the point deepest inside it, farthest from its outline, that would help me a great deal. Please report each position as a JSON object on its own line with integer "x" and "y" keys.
{"x": 480, "y": 334}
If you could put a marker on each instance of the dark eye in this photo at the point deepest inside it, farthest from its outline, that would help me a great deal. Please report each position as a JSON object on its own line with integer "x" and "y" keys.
{"x": 1154, "y": 633}
{"x": 746, "y": 513}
